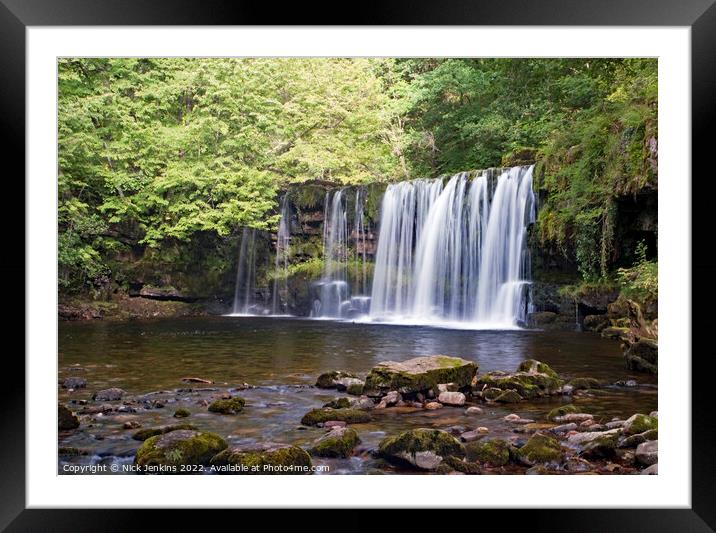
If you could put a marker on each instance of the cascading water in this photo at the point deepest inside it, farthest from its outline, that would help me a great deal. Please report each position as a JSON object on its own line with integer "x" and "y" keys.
{"x": 244, "y": 292}
{"x": 455, "y": 251}
{"x": 283, "y": 238}
{"x": 334, "y": 281}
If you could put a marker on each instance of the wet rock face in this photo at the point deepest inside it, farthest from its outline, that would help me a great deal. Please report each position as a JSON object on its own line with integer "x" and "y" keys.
{"x": 263, "y": 458}
{"x": 338, "y": 442}
{"x": 420, "y": 374}
{"x": 66, "y": 419}
{"x": 422, "y": 448}
{"x": 181, "y": 447}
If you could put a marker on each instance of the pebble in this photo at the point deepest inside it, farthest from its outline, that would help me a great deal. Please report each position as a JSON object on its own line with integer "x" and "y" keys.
{"x": 474, "y": 410}
{"x": 433, "y": 405}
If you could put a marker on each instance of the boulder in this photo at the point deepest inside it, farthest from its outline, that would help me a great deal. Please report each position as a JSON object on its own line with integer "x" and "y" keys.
{"x": 494, "y": 452}
{"x": 647, "y": 453}
{"x": 349, "y": 416}
{"x": 473, "y": 410}
{"x": 573, "y": 417}
{"x": 643, "y": 356}
{"x": 633, "y": 441}
{"x": 420, "y": 374}
{"x": 508, "y": 396}
{"x": 338, "y": 442}
{"x": 561, "y": 411}
{"x": 595, "y": 322}
{"x": 74, "y": 383}
{"x": 452, "y": 398}
{"x": 639, "y": 423}
{"x": 596, "y": 443}
{"x": 177, "y": 448}
{"x": 182, "y": 412}
{"x": 540, "y": 448}
{"x": 66, "y": 419}
{"x": 263, "y": 458}
{"x": 531, "y": 380}
{"x": 108, "y": 395}
{"x": 144, "y": 434}
{"x": 651, "y": 470}
{"x": 338, "y": 403}
{"x": 584, "y": 383}
{"x": 229, "y": 406}
{"x": 334, "y": 379}
{"x": 423, "y": 448}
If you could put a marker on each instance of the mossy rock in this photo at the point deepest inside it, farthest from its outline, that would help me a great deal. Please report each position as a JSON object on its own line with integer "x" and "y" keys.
{"x": 494, "y": 452}
{"x": 561, "y": 411}
{"x": 490, "y": 393}
{"x": 144, "y": 434}
{"x": 613, "y": 332}
{"x": 451, "y": 463}
{"x": 508, "y": 396}
{"x": 423, "y": 448}
{"x": 420, "y": 374}
{"x": 264, "y": 458}
{"x": 182, "y": 412}
{"x": 532, "y": 366}
{"x": 602, "y": 445}
{"x": 331, "y": 380}
{"x": 640, "y": 423}
{"x": 338, "y": 442}
{"x": 231, "y": 406}
{"x": 540, "y": 448}
{"x": 349, "y": 416}
{"x": 526, "y": 384}
{"x": 585, "y": 383}
{"x": 177, "y": 448}
{"x": 355, "y": 389}
{"x": 338, "y": 403}
{"x": 66, "y": 419}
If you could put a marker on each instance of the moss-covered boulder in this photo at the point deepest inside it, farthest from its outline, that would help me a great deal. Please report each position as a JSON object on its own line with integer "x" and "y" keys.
{"x": 615, "y": 332}
{"x": 585, "y": 383}
{"x": 643, "y": 356}
{"x": 231, "y": 406}
{"x": 539, "y": 449}
{"x": 532, "y": 366}
{"x": 632, "y": 441}
{"x": 263, "y": 458}
{"x": 66, "y": 419}
{"x": 349, "y": 416}
{"x": 336, "y": 379}
{"x": 182, "y": 412}
{"x": 420, "y": 374}
{"x": 423, "y": 448}
{"x": 596, "y": 444}
{"x": 177, "y": 448}
{"x": 508, "y": 396}
{"x": 640, "y": 423}
{"x": 494, "y": 452}
{"x": 144, "y": 434}
{"x": 595, "y": 323}
{"x": 339, "y": 442}
{"x": 561, "y": 411}
{"x": 355, "y": 388}
{"x": 338, "y": 403}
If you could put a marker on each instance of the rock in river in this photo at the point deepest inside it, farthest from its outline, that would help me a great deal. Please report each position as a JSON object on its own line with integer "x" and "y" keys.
{"x": 66, "y": 419}
{"x": 647, "y": 453}
{"x": 182, "y": 447}
{"x": 263, "y": 458}
{"x": 494, "y": 452}
{"x": 531, "y": 380}
{"x": 423, "y": 448}
{"x": 144, "y": 434}
{"x": 349, "y": 416}
{"x": 335, "y": 380}
{"x": 540, "y": 448}
{"x": 231, "y": 406}
{"x": 452, "y": 398}
{"x": 74, "y": 383}
{"x": 420, "y": 374}
{"x": 640, "y": 423}
{"x": 338, "y": 442}
{"x": 109, "y": 395}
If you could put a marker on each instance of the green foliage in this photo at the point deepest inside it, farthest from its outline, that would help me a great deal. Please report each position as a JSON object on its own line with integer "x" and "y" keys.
{"x": 641, "y": 281}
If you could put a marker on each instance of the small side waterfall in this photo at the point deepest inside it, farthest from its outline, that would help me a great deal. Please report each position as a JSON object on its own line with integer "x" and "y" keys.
{"x": 283, "y": 238}
{"x": 244, "y": 293}
{"x": 455, "y": 252}
{"x": 334, "y": 281}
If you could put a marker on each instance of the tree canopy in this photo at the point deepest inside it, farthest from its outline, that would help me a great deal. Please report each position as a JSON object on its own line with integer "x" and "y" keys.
{"x": 155, "y": 152}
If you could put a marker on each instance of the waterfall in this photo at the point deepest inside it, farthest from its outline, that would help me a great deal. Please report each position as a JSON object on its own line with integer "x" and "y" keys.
{"x": 283, "y": 237}
{"x": 244, "y": 292}
{"x": 334, "y": 281}
{"x": 455, "y": 251}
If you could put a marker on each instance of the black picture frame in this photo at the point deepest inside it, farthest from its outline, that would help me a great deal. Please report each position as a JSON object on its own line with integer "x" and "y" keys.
{"x": 699, "y": 15}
